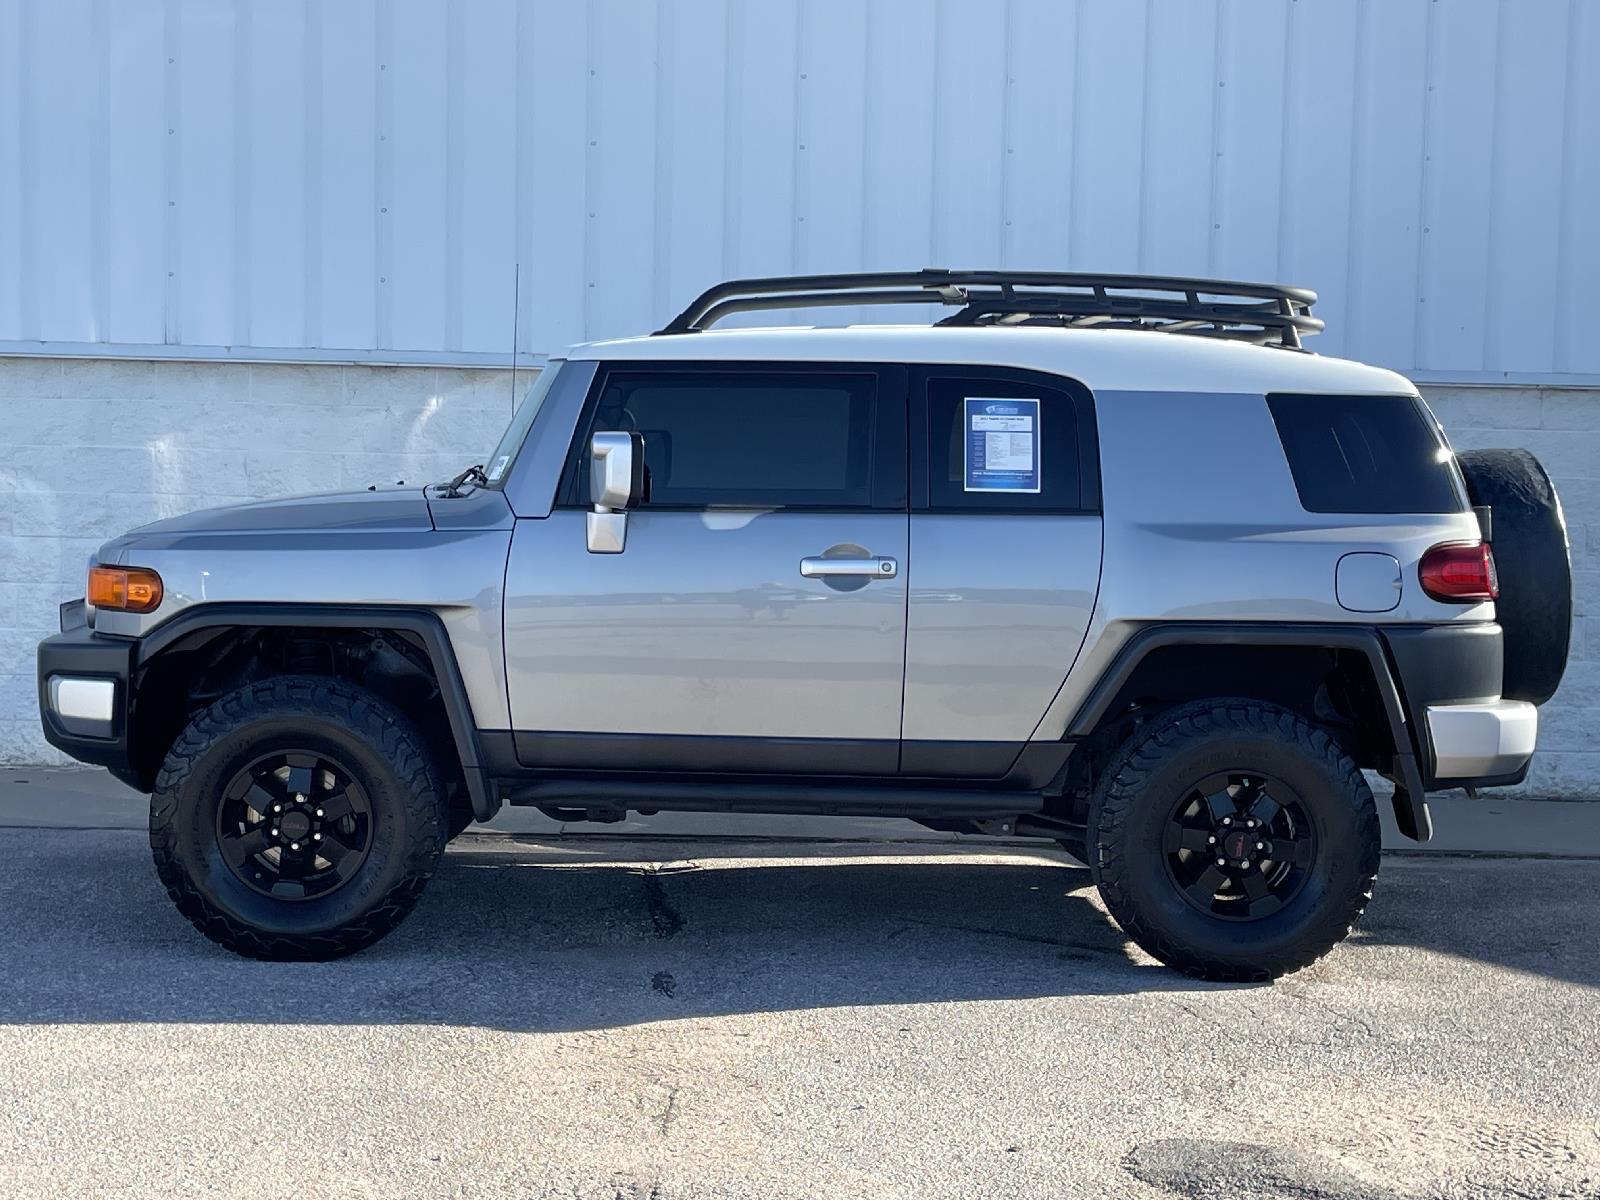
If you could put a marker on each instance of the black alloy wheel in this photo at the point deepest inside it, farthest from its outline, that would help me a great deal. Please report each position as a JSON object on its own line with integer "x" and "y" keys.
{"x": 1239, "y": 845}
{"x": 294, "y": 825}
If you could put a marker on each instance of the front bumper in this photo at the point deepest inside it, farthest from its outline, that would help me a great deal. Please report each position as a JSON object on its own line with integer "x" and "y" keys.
{"x": 84, "y": 694}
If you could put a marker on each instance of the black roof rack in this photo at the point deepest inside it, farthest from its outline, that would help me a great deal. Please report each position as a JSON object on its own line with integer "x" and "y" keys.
{"x": 1263, "y": 313}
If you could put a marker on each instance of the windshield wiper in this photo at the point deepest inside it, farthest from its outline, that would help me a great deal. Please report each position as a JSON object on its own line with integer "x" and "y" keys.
{"x": 473, "y": 474}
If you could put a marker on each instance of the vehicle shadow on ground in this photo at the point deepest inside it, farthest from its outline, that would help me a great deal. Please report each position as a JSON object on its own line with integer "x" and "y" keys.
{"x": 517, "y": 937}
{"x": 592, "y": 936}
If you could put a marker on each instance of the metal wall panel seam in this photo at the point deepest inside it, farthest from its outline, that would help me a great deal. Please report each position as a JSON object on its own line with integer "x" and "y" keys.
{"x": 1352, "y": 277}
{"x": 1418, "y": 293}
{"x": 1213, "y": 215}
{"x": 1561, "y": 349}
{"x": 243, "y": 152}
{"x": 100, "y": 170}
{"x": 383, "y": 183}
{"x": 661, "y": 235}
{"x": 454, "y": 157}
{"x": 28, "y": 174}
{"x": 1489, "y": 346}
{"x": 1286, "y": 205}
{"x": 732, "y": 158}
{"x": 172, "y": 317}
{"x": 590, "y": 109}
{"x": 312, "y": 201}
{"x": 1074, "y": 188}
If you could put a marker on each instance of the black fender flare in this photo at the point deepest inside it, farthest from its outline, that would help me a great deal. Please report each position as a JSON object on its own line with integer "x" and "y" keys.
{"x": 422, "y": 622}
{"x": 1410, "y": 799}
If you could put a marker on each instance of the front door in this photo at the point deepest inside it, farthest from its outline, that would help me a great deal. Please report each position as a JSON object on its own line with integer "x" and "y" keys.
{"x": 755, "y": 620}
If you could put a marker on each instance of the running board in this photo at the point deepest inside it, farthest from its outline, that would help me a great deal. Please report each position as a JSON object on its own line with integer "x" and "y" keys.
{"x": 777, "y": 799}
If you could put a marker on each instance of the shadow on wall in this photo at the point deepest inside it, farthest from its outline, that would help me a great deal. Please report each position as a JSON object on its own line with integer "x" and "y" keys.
{"x": 536, "y": 940}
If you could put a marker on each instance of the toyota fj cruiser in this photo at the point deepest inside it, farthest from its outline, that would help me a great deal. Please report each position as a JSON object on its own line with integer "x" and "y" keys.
{"x": 1109, "y": 560}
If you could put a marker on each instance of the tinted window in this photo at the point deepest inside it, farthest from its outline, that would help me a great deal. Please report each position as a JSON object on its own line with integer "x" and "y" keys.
{"x": 752, "y": 440}
{"x": 951, "y": 447}
{"x": 1366, "y": 454}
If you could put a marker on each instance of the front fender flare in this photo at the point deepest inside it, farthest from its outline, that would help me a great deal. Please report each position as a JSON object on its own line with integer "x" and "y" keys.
{"x": 423, "y": 622}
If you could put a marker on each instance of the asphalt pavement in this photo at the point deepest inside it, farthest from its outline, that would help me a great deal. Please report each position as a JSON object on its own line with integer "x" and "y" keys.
{"x": 772, "y": 1013}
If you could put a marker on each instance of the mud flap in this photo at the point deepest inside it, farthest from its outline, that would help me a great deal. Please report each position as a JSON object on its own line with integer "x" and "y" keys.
{"x": 1410, "y": 801}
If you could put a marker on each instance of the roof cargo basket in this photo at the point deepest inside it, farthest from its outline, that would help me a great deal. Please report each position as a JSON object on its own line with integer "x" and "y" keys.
{"x": 1266, "y": 314}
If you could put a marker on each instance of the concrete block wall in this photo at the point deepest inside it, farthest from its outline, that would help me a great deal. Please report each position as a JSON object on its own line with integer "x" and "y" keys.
{"x": 91, "y": 447}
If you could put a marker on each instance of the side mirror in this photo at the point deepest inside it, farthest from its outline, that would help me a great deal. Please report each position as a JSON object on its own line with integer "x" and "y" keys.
{"x": 616, "y": 483}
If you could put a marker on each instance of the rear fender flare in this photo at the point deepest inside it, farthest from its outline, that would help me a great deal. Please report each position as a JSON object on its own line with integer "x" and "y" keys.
{"x": 1410, "y": 801}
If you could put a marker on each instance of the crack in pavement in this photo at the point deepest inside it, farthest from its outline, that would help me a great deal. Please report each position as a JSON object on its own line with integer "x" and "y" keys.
{"x": 665, "y": 919}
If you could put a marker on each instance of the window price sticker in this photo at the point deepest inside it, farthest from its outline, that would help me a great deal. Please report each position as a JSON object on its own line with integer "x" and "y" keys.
{"x": 1002, "y": 445}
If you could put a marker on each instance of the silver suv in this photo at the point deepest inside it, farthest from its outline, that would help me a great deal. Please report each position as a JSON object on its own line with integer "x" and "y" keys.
{"x": 1107, "y": 560}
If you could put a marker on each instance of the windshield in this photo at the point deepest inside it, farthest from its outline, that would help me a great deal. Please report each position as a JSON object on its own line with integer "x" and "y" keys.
{"x": 521, "y": 421}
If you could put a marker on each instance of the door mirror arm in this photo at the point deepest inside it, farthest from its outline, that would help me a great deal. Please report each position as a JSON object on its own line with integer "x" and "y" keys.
{"x": 616, "y": 484}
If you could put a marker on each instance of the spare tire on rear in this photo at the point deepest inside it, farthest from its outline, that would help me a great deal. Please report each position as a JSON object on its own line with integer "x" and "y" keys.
{"x": 1529, "y": 534}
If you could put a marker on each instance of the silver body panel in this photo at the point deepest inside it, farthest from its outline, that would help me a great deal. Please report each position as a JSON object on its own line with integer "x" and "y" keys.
{"x": 706, "y": 626}
{"x": 356, "y": 548}
{"x": 1202, "y": 523}
{"x": 998, "y": 610}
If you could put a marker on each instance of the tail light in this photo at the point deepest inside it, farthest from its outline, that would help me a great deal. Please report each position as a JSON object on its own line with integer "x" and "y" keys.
{"x": 127, "y": 589}
{"x": 1460, "y": 571}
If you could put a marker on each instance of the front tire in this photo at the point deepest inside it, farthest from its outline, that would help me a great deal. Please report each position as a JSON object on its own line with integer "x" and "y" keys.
{"x": 1234, "y": 841}
{"x": 297, "y": 818}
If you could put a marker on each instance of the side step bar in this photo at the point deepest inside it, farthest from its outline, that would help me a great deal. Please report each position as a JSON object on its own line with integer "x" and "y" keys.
{"x": 787, "y": 799}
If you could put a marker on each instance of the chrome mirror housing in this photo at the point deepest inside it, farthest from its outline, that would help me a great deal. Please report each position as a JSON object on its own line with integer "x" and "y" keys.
{"x": 616, "y": 483}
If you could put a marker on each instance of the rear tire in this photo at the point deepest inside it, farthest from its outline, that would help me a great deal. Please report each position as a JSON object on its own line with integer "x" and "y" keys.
{"x": 1179, "y": 800}
{"x": 297, "y": 818}
{"x": 1534, "y": 563}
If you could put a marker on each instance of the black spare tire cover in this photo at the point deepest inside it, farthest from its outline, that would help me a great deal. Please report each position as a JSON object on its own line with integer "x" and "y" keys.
{"x": 1529, "y": 534}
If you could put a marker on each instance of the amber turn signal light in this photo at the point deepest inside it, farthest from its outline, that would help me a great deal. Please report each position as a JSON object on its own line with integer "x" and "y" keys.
{"x": 129, "y": 589}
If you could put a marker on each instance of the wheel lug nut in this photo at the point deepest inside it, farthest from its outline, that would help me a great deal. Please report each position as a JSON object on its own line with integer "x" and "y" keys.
{"x": 319, "y": 812}
{"x": 1227, "y": 820}
{"x": 316, "y": 837}
{"x": 1212, "y": 840}
{"x": 299, "y": 798}
{"x": 274, "y": 831}
{"x": 1244, "y": 862}
{"x": 1261, "y": 845}
{"x": 277, "y": 808}
{"x": 1222, "y": 862}
{"x": 294, "y": 845}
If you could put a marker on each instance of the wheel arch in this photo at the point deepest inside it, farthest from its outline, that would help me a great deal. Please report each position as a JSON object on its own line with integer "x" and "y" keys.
{"x": 1287, "y": 664}
{"x": 422, "y": 628}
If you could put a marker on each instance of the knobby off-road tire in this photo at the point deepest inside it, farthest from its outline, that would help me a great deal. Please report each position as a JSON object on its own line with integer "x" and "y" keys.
{"x": 396, "y": 786}
{"x": 1321, "y": 799}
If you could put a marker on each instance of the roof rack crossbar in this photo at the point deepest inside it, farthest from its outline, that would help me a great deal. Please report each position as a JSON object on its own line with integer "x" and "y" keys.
{"x": 1261, "y": 312}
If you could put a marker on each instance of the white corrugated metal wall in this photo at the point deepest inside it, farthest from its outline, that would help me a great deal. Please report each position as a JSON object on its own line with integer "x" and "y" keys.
{"x": 358, "y": 178}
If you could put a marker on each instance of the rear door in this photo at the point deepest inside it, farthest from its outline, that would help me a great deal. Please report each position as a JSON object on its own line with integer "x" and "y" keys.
{"x": 737, "y": 630}
{"x": 1005, "y": 526}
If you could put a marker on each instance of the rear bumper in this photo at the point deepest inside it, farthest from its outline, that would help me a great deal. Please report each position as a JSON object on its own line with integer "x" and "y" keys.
{"x": 84, "y": 695}
{"x": 1481, "y": 742}
{"x": 1449, "y": 678}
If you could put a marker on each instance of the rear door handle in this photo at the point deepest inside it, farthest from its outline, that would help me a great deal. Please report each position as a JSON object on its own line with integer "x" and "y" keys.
{"x": 859, "y": 568}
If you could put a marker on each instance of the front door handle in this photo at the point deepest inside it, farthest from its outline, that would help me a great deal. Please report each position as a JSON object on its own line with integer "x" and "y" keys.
{"x": 858, "y": 568}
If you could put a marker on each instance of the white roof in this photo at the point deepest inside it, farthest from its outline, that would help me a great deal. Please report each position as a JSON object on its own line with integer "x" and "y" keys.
{"x": 1101, "y": 359}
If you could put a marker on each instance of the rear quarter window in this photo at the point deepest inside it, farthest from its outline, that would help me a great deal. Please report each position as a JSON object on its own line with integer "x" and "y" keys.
{"x": 1366, "y": 454}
